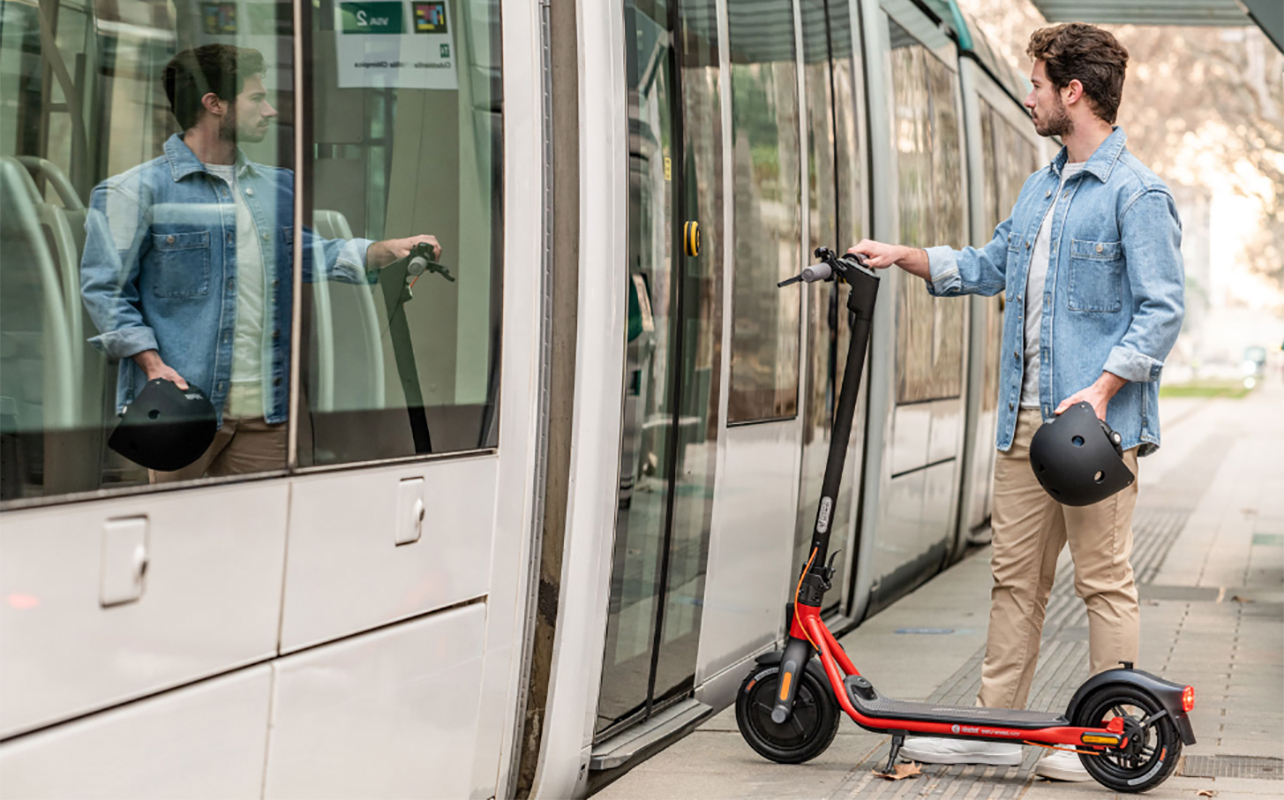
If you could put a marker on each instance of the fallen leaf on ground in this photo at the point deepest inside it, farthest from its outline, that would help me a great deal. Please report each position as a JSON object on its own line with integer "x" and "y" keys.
{"x": 1207, "y": 792}
{"x": 899, "y": 772}
{"x": 1238, "y": 599}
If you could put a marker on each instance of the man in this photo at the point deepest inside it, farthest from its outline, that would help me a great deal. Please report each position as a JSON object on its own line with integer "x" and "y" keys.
{"x": 1091, "y": 263}
{"x": 187, "y": 270}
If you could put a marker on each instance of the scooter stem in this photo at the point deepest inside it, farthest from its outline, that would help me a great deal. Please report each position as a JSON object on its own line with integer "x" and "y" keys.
{"x": 860, "y": 302}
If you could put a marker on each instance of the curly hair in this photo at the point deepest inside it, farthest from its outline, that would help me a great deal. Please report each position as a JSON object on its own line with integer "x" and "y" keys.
{"x": 1091, "y": 55}
{"x": 218, "y": 68}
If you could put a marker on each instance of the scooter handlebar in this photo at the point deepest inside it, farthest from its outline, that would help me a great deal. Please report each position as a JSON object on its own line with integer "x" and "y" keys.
{"x": 825, "y": 269}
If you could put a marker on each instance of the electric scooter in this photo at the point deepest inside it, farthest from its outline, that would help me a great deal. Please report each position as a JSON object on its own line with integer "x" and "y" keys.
{"x": 1127, "y": 726}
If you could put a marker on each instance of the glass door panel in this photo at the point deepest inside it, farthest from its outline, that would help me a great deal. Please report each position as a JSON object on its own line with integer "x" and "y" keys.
{"x": 672, "y": 361}
{"x": 698, "y": 310}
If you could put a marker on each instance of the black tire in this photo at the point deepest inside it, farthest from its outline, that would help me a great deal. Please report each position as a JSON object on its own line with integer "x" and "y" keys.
{"x": 809, "y": 730}
{"x": 1152, "y": 753}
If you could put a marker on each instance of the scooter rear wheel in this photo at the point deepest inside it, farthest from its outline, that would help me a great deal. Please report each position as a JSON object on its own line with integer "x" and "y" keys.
{"x": 809, "y": 730}
{"x": 1154, "y": 747}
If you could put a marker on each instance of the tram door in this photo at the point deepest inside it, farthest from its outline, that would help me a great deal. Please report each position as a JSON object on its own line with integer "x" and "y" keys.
{"x": 672, "y": 365}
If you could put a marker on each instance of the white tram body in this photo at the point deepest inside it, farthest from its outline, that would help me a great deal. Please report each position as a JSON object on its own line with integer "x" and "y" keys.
{"x": 627, "y": 437}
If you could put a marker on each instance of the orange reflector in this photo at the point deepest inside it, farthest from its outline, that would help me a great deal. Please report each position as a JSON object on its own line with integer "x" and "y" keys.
{"x": 784, "y": 685}
{"x": 1188, "y": 699}
{"x": 1097, "y": 738}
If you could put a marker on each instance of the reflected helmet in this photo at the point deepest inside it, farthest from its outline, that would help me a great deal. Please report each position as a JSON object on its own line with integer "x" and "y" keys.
{"x": 165, "y": 428}
{"x": 1077, "y": 458}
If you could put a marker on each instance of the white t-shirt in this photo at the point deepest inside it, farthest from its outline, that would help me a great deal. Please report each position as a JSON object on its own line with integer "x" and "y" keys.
{"x": 245, "y": 398}
{"x": 1039, "y": 263}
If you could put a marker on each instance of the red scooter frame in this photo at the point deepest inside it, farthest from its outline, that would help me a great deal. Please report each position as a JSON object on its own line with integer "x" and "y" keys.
{"x": 1127, "y": 726}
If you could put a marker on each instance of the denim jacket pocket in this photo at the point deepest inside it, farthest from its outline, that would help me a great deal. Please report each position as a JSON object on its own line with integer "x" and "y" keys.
{"x": 1014, "y": 254}
{"x": 1096, "y": 276}
{"x": 183, "y": 261}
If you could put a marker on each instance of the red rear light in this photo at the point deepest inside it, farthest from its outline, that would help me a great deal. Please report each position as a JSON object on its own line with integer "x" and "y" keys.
{"x": 1188, "y": 699}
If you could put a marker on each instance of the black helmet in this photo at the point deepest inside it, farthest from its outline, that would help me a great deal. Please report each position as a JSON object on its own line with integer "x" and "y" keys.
{"x": 165, "y": 428}
{"x": 1077, "y": 458}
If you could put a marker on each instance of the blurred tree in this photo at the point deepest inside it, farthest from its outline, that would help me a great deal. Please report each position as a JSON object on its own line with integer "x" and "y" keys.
{"x": 1201, "y": 106}
{"x": 1211, "y": 100}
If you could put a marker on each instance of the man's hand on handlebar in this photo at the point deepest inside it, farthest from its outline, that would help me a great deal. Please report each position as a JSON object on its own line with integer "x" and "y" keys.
{"x": 881, "y": 256}
{"x": 381, "y": 254}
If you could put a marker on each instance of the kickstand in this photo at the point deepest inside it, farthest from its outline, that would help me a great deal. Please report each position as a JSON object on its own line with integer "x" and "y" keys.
{"x": 898, "y": 740}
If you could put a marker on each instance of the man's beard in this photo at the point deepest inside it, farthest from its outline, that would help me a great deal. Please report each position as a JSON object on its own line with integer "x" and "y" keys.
{"x": 1055, "y": 123}
{"x": 229, "y": 130}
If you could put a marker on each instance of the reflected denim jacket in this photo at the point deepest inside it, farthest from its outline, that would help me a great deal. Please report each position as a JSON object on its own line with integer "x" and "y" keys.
{"x": 159, "y": 271}
{"x": 1114, "y": 295}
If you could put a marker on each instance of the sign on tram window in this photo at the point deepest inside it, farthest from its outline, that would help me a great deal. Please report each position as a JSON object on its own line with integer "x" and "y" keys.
{"x": 383, "y": 45}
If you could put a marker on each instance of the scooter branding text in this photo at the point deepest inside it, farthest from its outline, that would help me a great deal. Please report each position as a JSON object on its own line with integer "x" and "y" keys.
{"x": 972, "y": 730}
{"x": 822, "y": 519}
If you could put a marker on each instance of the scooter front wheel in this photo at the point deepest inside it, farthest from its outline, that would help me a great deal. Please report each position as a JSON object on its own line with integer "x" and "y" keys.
{"x": 1154, "y": 745}
{"x": 809, "y": 730}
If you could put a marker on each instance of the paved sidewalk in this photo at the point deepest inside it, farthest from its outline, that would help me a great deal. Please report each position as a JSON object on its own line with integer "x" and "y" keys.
{"x": 1209, "y": 556}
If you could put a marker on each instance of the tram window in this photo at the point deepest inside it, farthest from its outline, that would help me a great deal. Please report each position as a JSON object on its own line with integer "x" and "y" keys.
{"x": 1008, "y": 159}
{"x": 767, "y": 213}
{"x": 929, "y": 331}
{"x": 993, "y": 142}
{"x": 404, "y": 143}
{"x": 146, "y": 162}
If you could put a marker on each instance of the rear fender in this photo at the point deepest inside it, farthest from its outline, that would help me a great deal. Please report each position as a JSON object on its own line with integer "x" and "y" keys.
{"x": 1166, "y": 692}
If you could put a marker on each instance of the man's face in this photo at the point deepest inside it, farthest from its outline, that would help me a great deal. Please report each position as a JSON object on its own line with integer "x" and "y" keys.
{"x": 1047, "y": 109}
{"x": 250, "y": 115}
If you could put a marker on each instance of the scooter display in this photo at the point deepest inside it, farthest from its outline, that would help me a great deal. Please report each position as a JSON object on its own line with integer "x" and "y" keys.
{"x": 1126, "y": 725}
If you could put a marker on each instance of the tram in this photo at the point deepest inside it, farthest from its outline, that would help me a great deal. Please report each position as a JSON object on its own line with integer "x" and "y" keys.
{"x": 523, "y": 527}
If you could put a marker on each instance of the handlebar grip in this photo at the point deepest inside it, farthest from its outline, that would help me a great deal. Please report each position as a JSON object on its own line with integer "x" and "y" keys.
{"x": 818, "y": 272}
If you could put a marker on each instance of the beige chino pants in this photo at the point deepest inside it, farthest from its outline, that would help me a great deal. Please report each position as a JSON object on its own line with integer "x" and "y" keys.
{"x": 242, "y": 446}
{"x": 1030, "y": 528}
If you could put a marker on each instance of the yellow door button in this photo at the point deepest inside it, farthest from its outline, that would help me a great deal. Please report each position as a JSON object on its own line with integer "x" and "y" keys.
{"x": 691, "y": 238}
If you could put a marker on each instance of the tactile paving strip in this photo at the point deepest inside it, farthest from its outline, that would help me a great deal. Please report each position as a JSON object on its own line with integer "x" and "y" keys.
{"x": 1256, "y": 767}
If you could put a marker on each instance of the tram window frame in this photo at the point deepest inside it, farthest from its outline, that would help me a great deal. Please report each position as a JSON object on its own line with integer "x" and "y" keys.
{"x": 360, "y": 447}
{"x": 77, "y": 170}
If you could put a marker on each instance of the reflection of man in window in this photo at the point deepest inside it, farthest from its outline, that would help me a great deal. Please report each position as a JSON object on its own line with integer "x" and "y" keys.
{"x": 187, "y": 269}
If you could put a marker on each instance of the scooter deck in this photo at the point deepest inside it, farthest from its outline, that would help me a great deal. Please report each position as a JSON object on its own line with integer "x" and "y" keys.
{"x": 887, "y": 708}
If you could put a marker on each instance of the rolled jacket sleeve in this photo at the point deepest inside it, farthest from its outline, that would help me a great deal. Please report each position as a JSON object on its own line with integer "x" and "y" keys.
{"x": 972, "y": 270}
{"x": 1151, "y": 237}
{"x": 341, "y": 260}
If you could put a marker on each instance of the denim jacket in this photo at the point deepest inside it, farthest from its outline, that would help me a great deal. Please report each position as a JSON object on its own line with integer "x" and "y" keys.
{"x": 159, "y": 271}
{"x": 1114, "y": 295}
